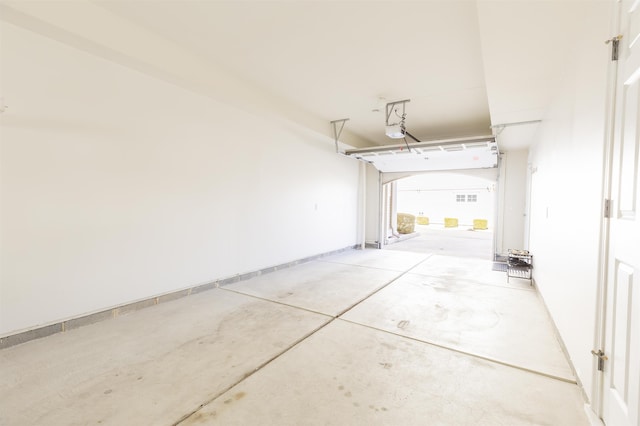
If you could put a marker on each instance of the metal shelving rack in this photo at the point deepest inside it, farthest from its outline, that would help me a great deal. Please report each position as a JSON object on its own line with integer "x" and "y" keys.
{"x": 519, "y": 264}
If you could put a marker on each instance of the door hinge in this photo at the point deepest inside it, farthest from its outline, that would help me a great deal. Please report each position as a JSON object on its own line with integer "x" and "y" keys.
{"x": 607, "y": 208}
{"x": 601, "y": 358}
{"x": 615, "y": 44}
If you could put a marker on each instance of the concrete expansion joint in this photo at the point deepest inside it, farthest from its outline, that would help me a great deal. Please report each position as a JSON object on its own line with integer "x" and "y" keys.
{"x": 331, "y": 319}
{"x": 450, "y": 348}
{"x": 251, "y": 373}
{"x": 383, "y": 286}
{"x": 339, "y": 316}
{"x": 275, "y": 301}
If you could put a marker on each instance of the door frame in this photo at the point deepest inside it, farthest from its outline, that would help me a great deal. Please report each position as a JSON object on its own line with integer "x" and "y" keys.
{"x": 609, "y": 198}
{"x": 597, "y": 397}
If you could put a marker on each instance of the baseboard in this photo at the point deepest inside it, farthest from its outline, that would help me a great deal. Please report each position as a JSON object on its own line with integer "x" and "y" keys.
{"x": 560, "y": 340}
{"x": 592, "y": 416}
{"x": 91, "y": 318}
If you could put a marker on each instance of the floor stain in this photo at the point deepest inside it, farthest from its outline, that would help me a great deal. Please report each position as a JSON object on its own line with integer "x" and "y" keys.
{"x": 386, "y": 365}
{"x": 403, "y": 324}
{"x": 441, "y": 289}
{"x": 198, "y": 417}
{"x": 201, "y": 417}
{"x": 441, "y": 313}
{"x": 347, "y": 394}
{"x": 235, "y": 397}
{"x": 373, "y": 407}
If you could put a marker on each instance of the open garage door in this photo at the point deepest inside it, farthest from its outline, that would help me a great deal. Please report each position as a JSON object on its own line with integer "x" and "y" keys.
{"x": 478, "y": 157}
{"x": 451, "y": 154}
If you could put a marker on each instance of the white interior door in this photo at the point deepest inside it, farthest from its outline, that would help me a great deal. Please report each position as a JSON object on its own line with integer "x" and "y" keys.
{"x": 621, "y": 393}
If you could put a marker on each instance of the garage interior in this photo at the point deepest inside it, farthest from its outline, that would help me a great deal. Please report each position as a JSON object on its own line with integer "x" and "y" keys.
{"x": 194, "y": 199}
{"x": 378, "y": 336}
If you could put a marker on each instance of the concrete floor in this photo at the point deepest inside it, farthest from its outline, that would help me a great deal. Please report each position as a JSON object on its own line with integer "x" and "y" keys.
{"x": 462, "y": 241}
{"x": 374, "y": 337}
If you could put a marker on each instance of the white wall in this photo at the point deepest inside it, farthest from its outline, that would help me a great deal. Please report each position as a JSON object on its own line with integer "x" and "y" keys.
{"x": 566, "y": 190}
{"x": 117, "y": 186}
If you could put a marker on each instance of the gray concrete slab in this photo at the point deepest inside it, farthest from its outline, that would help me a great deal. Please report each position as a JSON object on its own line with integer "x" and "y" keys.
{"x": 379, "y": 259}
{"x": 150, "y": 367}
{"x": 248, "y": 358}
{"x": 467, "y": 268}
{"x": 346, "y": 374}
{"x": 324, "y": 287}
{"x": 449, "y": 241}
{"x": 505, "y": 324}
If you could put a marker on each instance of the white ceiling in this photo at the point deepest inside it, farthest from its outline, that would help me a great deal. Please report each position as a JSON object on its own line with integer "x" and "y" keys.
{"x": 335, "y": 59}
{"x": 465, "y": 65}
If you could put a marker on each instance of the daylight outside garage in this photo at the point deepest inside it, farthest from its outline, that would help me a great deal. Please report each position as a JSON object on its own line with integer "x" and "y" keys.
{"x": 453, "y": 213}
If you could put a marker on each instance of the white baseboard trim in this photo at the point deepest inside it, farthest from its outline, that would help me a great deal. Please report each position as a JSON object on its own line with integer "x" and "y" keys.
{"x": 62, "y": 326}
{"x": 594, "y": 420}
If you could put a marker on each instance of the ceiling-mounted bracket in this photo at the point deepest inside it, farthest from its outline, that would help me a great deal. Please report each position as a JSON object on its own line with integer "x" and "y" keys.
{"x": 338, "y": 126}
{"x": 396, "y": 130}
{"x": 391, "y": 108}
{"x": 498, "y": 128}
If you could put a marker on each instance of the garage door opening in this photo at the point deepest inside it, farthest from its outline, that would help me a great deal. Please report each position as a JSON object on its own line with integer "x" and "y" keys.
{"x": 442, "y": 212}
{"x": 505, "y": 176}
